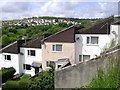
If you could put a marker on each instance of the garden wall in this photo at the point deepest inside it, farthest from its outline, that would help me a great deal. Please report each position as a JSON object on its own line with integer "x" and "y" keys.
{"x": 81, "y": 74}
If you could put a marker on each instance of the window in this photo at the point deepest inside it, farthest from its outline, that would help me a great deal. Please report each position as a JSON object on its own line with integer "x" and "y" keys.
{"x": 57, "y": 47}
{"x": 27, "y": 66}
{"x": 50, "y": 63}
{"x": 84, "y": 57}
{"x": 7, "y": 57}
{"x": 31, "y": 52}
{"x": 92, "y": 40}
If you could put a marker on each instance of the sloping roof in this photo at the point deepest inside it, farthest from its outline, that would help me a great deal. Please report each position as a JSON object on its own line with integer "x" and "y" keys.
{"x": 13, "y": 48}
{"x": 116, "y": 23}
{"x": 66, "y": 35}
{"x": 102, "y": 27}
{"x": 35, "y": 43}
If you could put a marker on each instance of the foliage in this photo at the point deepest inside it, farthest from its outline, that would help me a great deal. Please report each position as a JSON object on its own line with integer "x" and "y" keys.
{"x": 25, "y": 76}
{"x": 7, "y": 73}
{"x": 45, "y": 80}
{"x": 22, "y": 84}
{"x": 109, "y": 80}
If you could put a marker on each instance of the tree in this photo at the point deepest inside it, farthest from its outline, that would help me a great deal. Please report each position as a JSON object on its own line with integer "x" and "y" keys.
{"x": 5, "y": 39}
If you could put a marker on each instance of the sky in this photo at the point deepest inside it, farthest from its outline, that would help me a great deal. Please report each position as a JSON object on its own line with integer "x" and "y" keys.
{"x": 19, "y": 9}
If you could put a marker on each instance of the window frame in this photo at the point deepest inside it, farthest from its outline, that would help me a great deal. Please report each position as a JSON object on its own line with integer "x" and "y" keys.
{"x": 25, "y": 67}
{"x": 81, "y": 57}
{"x": 90, "y": 40}
{"x": 54, "y": 46}
{"x": 29, "y": 53}
{"x": 6, "y": 57}
{"x": 50, "y": 62}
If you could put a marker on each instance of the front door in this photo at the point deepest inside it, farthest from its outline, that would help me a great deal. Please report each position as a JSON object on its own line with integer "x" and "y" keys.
{"x": 36, "y": 70}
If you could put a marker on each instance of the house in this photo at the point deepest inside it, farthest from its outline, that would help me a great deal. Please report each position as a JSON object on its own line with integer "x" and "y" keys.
{"x": 67, "y": 47}
{"x": 10, "y": 56}
{"x": 24, "y": 55}
{"x": 76, "y": 44}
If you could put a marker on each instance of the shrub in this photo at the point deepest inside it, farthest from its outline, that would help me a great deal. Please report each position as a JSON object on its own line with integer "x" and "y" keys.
{"x": 22, "y": 84}
{"x": 11, "y": 85}
{"x": 7, "y": 73}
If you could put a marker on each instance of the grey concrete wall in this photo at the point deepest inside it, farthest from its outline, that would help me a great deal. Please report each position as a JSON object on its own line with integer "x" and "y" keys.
{"x": 82, "y": 73}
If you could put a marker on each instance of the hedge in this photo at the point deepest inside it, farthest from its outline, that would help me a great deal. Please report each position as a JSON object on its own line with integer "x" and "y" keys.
{"x": 22, "y": 84}
{"x": 7, "y": 73}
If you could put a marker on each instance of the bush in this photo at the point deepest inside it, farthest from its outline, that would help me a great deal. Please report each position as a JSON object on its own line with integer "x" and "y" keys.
{"x": 22, "y": 84}
{"x": 25, "y": 76}
{"x": 45, "y": 80}
{"x": 11, "y": 85}
{"x": 7, "y": 73}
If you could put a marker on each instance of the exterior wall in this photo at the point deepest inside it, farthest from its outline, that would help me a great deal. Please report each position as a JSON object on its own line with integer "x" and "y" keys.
{"x": 82, "y": 74}
{"x": 83, "y": 49}
{"x": 30, "y": 59}
{"x": 115, "y": 28}
{"x": 14, "y": 62}
{"x": 48, "y": 55}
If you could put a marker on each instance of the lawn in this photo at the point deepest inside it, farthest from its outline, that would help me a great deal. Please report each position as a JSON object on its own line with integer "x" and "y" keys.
{"x": 25, "y": 76}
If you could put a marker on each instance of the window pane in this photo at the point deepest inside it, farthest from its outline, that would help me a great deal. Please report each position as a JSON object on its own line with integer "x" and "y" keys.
{"x": 58, "y": 47}
{"x": 28, "y": 52}
{"x": 80, "y": 58}
{"x": 47, "y": 63}
{"x": 32, "y": 52}
{"x": 52, "y": 63}
{"x": 88, "y": 40}
{"x": 86, "y": 57}
{"x": 5, "y": 57}
{"x": 8, "y": 57}
{"x": 94, "y": 40}
{"x": 26, "y": 66}
{"x": 53, "y": 48}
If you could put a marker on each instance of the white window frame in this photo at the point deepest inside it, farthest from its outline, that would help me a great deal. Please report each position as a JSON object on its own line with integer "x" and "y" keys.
{"x": 50, "y": 63}
{"x": 6, "y": 58}
{"x": 56, "y": 46}
{"x": 29, "y": 53}
{"x": 90, "y": 40}
{"x": 82, "y": 57}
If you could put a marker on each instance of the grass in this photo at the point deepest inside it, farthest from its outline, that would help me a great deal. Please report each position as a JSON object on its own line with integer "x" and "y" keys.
{"x": 25, "y": 76}
{"x": 110, "y": 80}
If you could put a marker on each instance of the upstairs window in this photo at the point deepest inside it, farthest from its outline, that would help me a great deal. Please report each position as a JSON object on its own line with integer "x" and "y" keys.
{"x": 57, "y": 48}
{"x": 92, "y": 40}
{"x": 31, "y": 52}
{"x": 7, "y": 57}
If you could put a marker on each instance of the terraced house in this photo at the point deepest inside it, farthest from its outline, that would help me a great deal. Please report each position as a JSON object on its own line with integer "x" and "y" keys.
{"x": 67, "y": 47}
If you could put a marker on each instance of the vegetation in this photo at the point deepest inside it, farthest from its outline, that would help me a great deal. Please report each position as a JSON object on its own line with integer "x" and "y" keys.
{"x": 45, "y": 80}
{"x": 109, "y": 80}
{"x": 7, "y": 73}
{"x": 25, "y": 76}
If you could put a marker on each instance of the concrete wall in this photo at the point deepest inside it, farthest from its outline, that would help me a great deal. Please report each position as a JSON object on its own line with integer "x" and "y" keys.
{"x": 82, "y": 73}
{"x": 82, "y": 48}
{"x": 49, "y": 55}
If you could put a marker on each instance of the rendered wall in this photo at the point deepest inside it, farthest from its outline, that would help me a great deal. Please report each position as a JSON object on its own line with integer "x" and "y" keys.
{"x": 82, "y": 74}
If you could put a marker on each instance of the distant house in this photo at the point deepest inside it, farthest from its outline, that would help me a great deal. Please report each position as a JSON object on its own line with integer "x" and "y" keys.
{"x": 67, "y": 47}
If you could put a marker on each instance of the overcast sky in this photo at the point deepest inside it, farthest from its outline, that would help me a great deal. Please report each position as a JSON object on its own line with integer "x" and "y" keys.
{"x": 71, "y": 8}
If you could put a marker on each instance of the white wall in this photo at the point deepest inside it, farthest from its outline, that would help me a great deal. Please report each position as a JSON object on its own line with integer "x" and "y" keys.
{"x": 81, "y": 48}
{"x": 14, "y": 62}
{"x": 116, "y": 36}
{"x": 30, "y": 59}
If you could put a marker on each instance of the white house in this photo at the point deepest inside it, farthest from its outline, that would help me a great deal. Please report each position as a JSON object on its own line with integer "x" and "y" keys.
{"x": 69, "y": 46}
